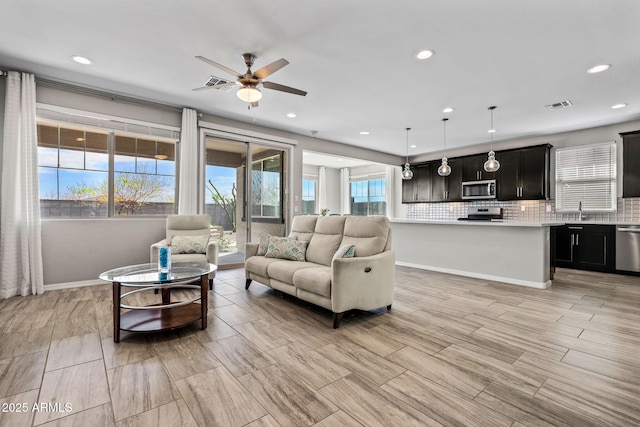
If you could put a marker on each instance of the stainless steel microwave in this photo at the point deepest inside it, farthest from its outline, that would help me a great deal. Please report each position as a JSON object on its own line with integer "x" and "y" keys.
{"x": 474, "y": 190}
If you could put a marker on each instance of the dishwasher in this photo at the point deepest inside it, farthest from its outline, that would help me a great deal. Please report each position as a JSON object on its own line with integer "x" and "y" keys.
{"x": 628, "y": 248}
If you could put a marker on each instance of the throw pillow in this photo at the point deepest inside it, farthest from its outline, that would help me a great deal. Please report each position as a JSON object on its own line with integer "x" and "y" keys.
{"x": 286, "y": 248}
{"x": 345, "y": 251}
{"x": 189, "y": 244}
{"x": 263, "y": 245}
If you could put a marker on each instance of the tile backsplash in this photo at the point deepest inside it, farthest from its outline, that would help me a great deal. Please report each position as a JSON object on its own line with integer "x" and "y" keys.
{"x": 522, "y": 210}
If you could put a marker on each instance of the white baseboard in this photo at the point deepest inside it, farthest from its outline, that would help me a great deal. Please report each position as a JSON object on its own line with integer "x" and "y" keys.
{"x": 509, "y": 280}
{"x": 69, "y": 285}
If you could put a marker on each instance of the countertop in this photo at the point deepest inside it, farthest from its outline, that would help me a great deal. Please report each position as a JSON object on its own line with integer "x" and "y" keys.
{"x": 494, "y": 223}
{"x": 510, "y": 223}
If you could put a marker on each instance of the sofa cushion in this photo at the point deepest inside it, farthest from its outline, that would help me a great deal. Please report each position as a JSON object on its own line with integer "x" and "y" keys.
{"x": 303, "y": 226}
{"x": 316, "y": 280}
{"x": 345, "y": 251}
{"x": 326, "y": 239}
{"x": 284, "y": 270}
{"x": 259, "y": 264}
{"x": 368, "y": 234}
{"x": 286, "y": 248}
{"x": 189, "y": 244}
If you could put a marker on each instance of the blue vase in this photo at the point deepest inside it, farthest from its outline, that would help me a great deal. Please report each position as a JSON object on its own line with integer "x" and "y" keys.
{"x": 164, "y": 260}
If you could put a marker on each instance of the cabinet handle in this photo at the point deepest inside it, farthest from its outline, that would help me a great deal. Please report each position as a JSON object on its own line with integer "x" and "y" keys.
{"x": 604, "y": 261}
{"x": 573, "y": 239}
{"x": 577, "y": 240}
{"x": 575, "y": 228}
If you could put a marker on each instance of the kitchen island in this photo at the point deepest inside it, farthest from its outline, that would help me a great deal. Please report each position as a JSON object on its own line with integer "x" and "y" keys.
{"x": 503, "y": 251}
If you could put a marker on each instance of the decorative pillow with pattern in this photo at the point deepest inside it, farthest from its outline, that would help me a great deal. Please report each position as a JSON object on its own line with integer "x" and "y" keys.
{"x": 189, "y": 244}
{"x": 345, "y": 251}
{"x": 286, "y": 248}
{"x": 264, "y": 244}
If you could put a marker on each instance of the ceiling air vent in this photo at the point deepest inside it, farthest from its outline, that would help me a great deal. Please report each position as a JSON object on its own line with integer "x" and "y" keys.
{"x": 217, "y": 81}
{"x": 559, "y": 105}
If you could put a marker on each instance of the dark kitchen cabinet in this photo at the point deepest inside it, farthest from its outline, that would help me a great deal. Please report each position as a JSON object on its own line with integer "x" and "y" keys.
{"x": 585, "y": 247}
{"x": 418, "y": 188}
{"x": 631, "y": 164}
{"x": 446, "y": 188}
{"x": 524, "y": 173}
{"x": 473, "y": 168}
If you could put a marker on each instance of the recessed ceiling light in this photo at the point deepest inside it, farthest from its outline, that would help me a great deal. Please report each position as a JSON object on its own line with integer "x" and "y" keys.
{"x": 492, "y": 131}
{"x": 424, "y": 54}
{"x": 339, "y": 160}
{"x": 413, "y": 146}
{"x": 292, "y": 115}
{"x": 598, "y": 68}
{"x": 615, "y": 107}
{"x": 364, "y": 132}
{"x": 448, "y": 110}
{"x": 81, "y": 59}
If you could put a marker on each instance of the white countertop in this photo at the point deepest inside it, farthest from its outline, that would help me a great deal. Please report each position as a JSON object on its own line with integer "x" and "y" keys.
{"x": 493, "y": 223}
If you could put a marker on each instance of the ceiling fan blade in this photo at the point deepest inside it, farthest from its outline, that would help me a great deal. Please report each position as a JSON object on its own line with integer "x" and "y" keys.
{"x": 221, "y": 86}
{"x": 267, "y": 70}
{"x": 283, "y": 88}
{"x": 219, "y": 66}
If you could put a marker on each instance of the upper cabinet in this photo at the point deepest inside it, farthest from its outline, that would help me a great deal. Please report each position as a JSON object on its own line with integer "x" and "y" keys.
{"x": 418, "y": 188}
{"x": 524, "y": 173}
{"x": 447, "y": 188}
{"x": 473, "y": 169}
{"x": 631, "y": 164}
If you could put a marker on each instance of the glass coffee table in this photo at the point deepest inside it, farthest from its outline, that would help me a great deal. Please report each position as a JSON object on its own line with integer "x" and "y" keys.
{"x": 166, "y": 315}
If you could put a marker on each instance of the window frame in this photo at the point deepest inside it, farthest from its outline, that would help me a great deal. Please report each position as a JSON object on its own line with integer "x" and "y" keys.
{"x": 314, "y": 179}
{"x": 368, "y": 179}
{"x": 588, "y": 177}
{"x": 112, "y": 134}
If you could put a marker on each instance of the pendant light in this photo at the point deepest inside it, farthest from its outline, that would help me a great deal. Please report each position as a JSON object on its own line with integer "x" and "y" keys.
{"x": 491, "y": 165}
{"x": 407, "y": 173}
{"x": 444, "y": 169}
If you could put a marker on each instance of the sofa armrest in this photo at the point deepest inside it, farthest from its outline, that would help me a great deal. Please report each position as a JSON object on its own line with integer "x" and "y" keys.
{"x": 212, "y": 251}
{"x": 365, "y": 283}
{"x": 153, "y": 252}
{"x": 250, "y": 249}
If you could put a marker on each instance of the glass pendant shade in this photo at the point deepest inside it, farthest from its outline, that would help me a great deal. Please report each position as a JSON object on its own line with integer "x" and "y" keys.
{"x": 249, "y": 94}
{"x": 444, "y": 169}
{"x": 407, "y": 173}
{"x": 491, "y": 165}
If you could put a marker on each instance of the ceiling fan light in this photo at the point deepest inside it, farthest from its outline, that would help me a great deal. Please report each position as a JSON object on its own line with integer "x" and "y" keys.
{"x": 407, "y": 173}
{"x": 444, "y": 169}
{"x": 491, "y": 165}
{"x": 249, "y": 94}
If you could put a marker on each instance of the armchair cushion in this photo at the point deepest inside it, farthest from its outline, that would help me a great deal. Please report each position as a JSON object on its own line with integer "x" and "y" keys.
{"x": 189, "y": 244}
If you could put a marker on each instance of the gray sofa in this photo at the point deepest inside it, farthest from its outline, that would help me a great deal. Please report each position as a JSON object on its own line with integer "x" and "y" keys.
{"x": 365, "y": 281}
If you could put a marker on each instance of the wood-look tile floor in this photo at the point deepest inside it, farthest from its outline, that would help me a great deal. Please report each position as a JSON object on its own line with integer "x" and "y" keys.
{"x": 453, "y": 351}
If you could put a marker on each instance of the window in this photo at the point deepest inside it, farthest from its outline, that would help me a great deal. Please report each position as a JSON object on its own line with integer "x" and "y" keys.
{"x": 368, "y": 197}
{"x": 309, "y": 195}
{"x": 586, "y": 176}
{"x": 266, "y": 187}
{"x": 75, "y": 176}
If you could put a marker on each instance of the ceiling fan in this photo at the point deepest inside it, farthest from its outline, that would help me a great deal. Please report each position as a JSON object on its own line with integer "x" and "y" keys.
{"x": 251, "y": 81}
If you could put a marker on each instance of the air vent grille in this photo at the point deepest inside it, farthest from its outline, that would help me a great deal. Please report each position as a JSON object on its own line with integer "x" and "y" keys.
{"x": 217, "y": 81}
{"x": 559, "y": 105}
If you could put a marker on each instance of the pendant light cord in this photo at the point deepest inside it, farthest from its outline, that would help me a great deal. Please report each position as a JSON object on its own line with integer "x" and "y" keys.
{"x": 492, "y": 129}
{"x": 408, "y": 129}
{"x": 444, "y": 125}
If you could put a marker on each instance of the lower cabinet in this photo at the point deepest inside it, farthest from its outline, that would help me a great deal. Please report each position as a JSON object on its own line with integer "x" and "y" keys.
{"x": 584, "y": 247}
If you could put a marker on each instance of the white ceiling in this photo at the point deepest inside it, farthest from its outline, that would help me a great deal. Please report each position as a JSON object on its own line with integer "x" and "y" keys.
{"x": 355, "y": 58}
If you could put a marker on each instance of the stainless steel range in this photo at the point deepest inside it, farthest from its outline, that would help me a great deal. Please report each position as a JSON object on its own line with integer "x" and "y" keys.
{"x": 483, "y": 214}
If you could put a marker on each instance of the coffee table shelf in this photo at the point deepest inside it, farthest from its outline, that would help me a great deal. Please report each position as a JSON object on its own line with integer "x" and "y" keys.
{"x": 166, "y": 315}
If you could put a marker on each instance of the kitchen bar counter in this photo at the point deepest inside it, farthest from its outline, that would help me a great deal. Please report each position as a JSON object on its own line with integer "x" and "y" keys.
{"x": 508, "y": 251}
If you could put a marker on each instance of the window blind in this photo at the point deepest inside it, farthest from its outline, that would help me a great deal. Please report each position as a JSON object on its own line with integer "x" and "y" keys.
{"x": 587, "y": 175}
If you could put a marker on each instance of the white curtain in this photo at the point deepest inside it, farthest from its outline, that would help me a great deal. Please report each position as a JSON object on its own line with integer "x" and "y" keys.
{"x": 189, "y": 163}
{"x": 20, "y": 236}
{"x": 345, "y": 192}
{"x": 390, "y": 194}
{"x": 322, "y": 188}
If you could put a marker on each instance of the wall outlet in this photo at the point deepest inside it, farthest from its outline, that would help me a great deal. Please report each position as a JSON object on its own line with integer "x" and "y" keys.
{"x": 296, "y": 198}
{"x": 523, "y": 208}
{"x": 548, "y": 208}
{"x": 296, "y": 208}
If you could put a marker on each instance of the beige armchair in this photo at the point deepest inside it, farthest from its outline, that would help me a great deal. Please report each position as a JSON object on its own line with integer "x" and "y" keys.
{"x": 188, "y": 225}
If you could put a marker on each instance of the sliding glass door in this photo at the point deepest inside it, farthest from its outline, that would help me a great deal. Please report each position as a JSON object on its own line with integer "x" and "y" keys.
{"x": 245, "y": 185}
